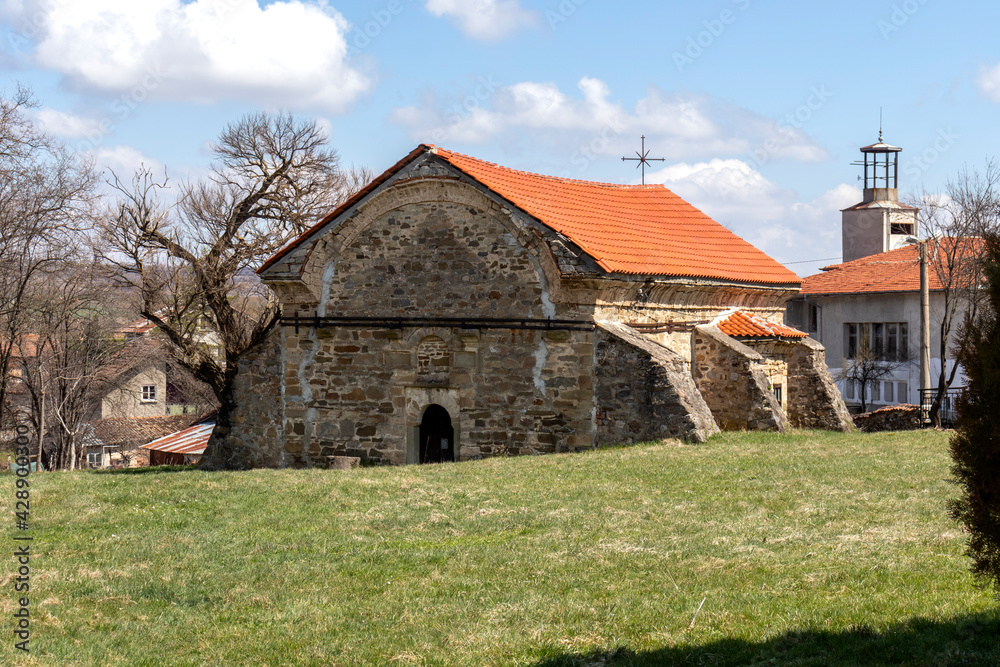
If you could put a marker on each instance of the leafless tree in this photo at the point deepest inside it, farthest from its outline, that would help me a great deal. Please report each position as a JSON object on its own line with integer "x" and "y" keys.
{"x": 954, "y": 225}
{"x": 869, "y": 366}
{"x": 76, "y": 357}
{"x": 193, "y": 263}
{"x": 46, "y": 197}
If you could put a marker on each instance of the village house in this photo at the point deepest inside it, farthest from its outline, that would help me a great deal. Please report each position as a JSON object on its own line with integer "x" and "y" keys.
{"x": 456, "y": 309}
{"x": 866, "y": 310}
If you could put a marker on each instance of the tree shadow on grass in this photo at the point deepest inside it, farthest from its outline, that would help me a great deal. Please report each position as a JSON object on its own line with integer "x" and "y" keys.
{"x": 967, "y": 640}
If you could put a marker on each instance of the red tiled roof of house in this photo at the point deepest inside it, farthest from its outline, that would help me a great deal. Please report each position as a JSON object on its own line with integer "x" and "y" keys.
{"x": 630, "y": 229}
{"x": 138, "y": 327}
{"x": 741, "y": 324}
{"x": 893, "y": 271}
{"x": 25, "y": 347}
{"x": 133, "y": 432}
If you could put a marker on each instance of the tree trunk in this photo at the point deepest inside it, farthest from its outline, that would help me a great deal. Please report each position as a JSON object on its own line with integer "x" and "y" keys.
{"x": 225, "y": 452}
{"x": 41, "y": 428}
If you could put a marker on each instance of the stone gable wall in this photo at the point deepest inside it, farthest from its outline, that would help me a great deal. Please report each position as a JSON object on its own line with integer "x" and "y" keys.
{"x": 644, "y": 392}
{"x": 362, "y": 391}
{"x": 733, "y": 380}
{"x": 813, "y": 399}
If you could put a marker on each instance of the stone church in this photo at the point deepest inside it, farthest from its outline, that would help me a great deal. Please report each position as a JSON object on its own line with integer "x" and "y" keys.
{"x": 456, "y": 309}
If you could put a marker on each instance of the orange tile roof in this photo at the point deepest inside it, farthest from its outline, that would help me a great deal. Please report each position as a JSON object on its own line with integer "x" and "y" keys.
{"x": 631, "y": 229}
{"x": 741, "y": 324}
{"x": 893, "y": 271}
{"x": 133, "y": 431}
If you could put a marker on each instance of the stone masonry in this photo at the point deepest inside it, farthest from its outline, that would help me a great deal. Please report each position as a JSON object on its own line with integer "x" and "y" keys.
{"x": 510, "y": 329}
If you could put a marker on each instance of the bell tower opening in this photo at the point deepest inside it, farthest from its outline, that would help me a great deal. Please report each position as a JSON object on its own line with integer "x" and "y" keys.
{"x": 437, "y": 436}
{"x": 880, "y": 222}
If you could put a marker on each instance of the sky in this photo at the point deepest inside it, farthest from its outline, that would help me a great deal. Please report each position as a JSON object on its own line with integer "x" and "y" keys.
{"x": 758, "y": 108}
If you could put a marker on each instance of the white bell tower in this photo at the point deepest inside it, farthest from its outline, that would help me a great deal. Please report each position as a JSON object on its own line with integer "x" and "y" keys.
{"x": 880, "y": 222}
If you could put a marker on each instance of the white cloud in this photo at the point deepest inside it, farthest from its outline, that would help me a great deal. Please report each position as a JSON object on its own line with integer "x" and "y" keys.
{"x": 124, "y": 161}
{"x": 682, "y": 125}
{"x": 772, "y": 218}
{"x": 989, "y": 82}
{"x": 486, "y": 20}
{"x": 290, "y": 52}
{"x": 67, "y": 125}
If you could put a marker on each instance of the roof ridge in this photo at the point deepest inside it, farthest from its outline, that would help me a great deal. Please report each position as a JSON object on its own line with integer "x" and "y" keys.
{"x": 616, "y": 186}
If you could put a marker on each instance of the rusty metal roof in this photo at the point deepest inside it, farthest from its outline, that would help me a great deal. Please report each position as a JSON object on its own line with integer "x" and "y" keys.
{"x": 192, "y": 440}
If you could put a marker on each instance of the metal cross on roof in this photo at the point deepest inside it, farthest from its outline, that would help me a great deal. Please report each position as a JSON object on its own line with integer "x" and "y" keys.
{"x": 643, "y": 159}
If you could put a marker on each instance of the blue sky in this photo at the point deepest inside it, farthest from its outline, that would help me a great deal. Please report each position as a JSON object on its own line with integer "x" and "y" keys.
{"x": 759, "y": 107}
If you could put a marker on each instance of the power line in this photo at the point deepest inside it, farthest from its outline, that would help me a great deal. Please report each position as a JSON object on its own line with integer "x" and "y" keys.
{"x": 810, "y": 261}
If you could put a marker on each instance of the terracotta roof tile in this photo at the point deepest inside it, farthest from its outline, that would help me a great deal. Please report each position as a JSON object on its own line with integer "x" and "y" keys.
{"x": 119, "y": 431}
{"x": 741, "y": 324}
{"x": 633, "y": 229}
{"x": 626, "y": 229}
{"x": 893, "y": 271}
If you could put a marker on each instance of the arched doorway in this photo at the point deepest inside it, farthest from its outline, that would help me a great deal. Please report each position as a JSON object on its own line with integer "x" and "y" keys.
{"x": 437, "y": 436}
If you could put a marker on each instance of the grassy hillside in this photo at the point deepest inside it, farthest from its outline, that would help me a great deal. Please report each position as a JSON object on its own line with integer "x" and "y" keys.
{"x": 808, "y": 549}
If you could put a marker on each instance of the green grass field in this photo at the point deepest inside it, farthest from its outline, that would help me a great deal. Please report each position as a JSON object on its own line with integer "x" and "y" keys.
{"x": 807, "y": 549}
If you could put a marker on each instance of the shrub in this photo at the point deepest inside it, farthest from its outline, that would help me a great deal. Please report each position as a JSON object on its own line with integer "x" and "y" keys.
{"x": 975, "y": 448}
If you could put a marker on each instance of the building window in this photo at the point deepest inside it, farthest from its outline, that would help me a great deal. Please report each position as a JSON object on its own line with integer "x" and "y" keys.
{"x": 850, "y": 389}
{"x": 852, "y": 340}
{"x": 902, "y": 392}
{"x": 882, "y": 341}
{"x": 94, "y": 459}
{"x": 813, "y": 318}
{"x": 148, "y": 393}
{"x": 887, "y": 392}
{"x": 777, "y": 393}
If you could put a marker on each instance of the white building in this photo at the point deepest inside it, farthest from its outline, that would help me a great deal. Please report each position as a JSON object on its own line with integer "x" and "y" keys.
{"x": 873, "y": 298}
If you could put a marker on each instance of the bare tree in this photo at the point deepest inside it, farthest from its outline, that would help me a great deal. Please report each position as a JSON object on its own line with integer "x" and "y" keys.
{"x": 46, "y": 194}
{"x": 193, "y": 263}
{"x": 869, "y": 366}
{"x": 76, "y": 359}
{"x": 954, "y": 226}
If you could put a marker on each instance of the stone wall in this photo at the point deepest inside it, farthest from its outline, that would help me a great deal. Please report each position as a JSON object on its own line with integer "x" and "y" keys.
{"x": 362, "y": 392}
{"x": 891, "y": 418}
{"x": 432, "y": 250}
{"x": 256, "y": 435}
{"x": 775, "y": 354}
{"x": 732, "y": 379}
{"x": 644, "y": 392}
{"x": 813, "y": 399}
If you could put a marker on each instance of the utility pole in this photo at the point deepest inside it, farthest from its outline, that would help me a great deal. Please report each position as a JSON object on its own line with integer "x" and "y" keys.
{"x": 925, "y": 333}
